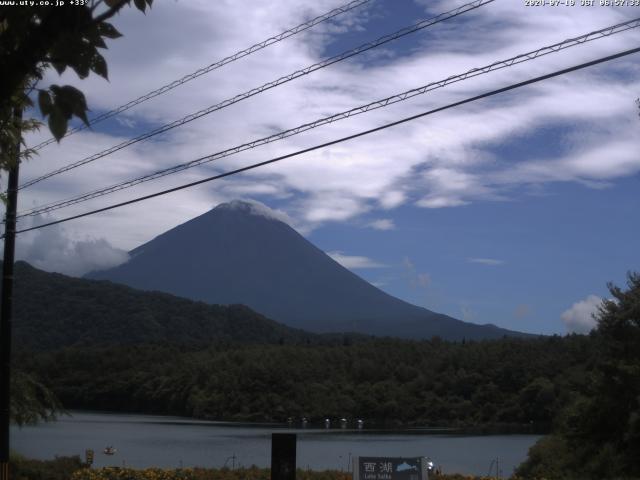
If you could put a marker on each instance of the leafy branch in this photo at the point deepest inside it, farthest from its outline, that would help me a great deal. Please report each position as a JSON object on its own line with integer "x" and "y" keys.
{"x": 36, "y": 39}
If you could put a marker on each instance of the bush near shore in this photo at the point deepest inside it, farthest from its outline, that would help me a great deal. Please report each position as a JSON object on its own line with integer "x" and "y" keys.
{"x": 72, "y": 468}
{"x": 252, "y": 473}
{"x": 60, "y": 468}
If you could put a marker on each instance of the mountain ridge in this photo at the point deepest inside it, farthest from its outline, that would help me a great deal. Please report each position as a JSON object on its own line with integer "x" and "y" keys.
{"x": 241, "y": 252}
{"x": 52, "y": 311}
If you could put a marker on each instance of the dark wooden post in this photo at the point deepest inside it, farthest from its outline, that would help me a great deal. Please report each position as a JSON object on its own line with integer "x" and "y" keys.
{"x": 6, "y": 311}
{"x": 283, "y": 456}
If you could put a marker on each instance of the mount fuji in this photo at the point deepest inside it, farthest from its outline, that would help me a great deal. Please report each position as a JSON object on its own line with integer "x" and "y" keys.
{"x": 245, "y": 253}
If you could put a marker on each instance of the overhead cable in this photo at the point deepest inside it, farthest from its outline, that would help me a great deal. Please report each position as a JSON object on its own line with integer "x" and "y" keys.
{"x": 340, "y": 140}
{"x": 220, "y": 63}
{"x": 267, "y": 86}
{"x": 338, "y": 116}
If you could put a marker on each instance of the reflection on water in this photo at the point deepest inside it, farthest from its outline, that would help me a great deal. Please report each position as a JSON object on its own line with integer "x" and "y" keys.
{"x": 145, "y": 440}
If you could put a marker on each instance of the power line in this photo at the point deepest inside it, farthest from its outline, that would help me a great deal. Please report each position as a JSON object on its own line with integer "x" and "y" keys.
{"x": 267, "y": 86}
{"x": 343, "y": 139}
{"x": 338, "y": 116}
{"x": 220, "y": 63}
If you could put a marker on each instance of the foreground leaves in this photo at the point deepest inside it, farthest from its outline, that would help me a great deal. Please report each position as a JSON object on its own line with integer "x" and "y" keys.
{"x": 31, "y": 401}
{"x": 37, "y": 38}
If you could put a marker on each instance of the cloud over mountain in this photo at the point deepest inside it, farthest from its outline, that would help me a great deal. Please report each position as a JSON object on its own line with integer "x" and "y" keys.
{"x": 580, "y": 317}
{"x": 52, "y": 250}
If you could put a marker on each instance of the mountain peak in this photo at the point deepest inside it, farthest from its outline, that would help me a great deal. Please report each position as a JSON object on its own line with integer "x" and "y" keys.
{"x": 253, "y": 207}
{"x": 243, "y": 252}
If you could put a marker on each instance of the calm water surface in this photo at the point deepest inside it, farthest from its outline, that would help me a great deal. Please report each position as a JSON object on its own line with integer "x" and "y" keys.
{"x": 144, "y": 441}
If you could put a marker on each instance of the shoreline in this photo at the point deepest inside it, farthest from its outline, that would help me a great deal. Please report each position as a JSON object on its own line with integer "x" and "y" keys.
{"x": 317, "y": 426}
{"x": 171, "y": 442}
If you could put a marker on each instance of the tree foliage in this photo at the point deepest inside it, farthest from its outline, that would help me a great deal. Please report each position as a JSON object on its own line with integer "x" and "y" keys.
{"x": 598, "y": 434}
{"x": 105, "y": 346}
{"x": 36, "y": 38}
{"x": 52, "y": 311}
{"x": 31, "y": 401}
{"x": 59, "y": 468}
{"x": 509, "y": 383}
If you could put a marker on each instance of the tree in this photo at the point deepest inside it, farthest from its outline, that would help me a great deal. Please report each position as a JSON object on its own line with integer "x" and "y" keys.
{"x": 600, "y": 431}
{"x": 32, "y": 401}
{"x": 611, "y": 413}
{"x": 36, "y": 38}
{"x": 33, "y": 39}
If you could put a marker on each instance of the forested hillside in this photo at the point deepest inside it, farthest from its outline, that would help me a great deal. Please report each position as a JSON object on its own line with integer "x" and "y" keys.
{"x": 428, "y": 383}
{"x": 54, "y": 311}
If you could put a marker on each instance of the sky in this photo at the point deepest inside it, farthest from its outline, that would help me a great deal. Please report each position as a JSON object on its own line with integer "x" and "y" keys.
{"x": 515, "y": 210}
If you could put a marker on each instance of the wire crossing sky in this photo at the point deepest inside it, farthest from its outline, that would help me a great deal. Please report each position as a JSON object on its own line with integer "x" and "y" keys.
{"x": 524, "y": 57}
{"x": 340, "y": 140}
{"x": 267, "y": 86}
{"x": 220, "y": 63}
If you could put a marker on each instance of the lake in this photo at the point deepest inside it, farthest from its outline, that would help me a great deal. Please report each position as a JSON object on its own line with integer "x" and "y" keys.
{"x": 162, "y": 441}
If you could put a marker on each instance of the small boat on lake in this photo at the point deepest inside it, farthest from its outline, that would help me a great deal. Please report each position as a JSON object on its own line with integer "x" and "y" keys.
{"x": 109, "y": 451}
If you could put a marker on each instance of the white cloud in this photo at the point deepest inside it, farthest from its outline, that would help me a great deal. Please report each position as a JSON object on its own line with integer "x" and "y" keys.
{"x": 125, "y": 121}
{"x": 355, "y": 261}
{"x": 445, "y": 160}
{"x": 52, "y": 250}
{"x": 257, "y": 208}
{"x": 486, "y": 261}
{"x": 382, "y": 224}
{"x": 579, "y": 318}
{"x": 441, "y": 202}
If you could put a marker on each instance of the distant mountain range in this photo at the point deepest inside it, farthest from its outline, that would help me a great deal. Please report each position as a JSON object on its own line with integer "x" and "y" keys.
{"x": 52, "y": 311}
{"x": 242, "y": 253}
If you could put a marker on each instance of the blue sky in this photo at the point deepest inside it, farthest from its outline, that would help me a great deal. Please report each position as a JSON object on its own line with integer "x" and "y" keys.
{"x": 564, "y": 245}
{"x": 516, "y": 210}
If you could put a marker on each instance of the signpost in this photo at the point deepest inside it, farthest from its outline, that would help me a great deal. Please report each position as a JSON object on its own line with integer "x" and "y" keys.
{"x": 283, "y": 456}
{"x": 390, "y": 468}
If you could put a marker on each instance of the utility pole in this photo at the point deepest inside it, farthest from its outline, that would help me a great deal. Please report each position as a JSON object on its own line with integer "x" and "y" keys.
{"x": 6, "y": 308}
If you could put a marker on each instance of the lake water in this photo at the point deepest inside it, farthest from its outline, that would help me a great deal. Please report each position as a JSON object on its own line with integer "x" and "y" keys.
{"x": 144, "y": 441}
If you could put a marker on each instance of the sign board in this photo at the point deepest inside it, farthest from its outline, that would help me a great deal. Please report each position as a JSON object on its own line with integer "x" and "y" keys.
{"x": 389, "y": 468}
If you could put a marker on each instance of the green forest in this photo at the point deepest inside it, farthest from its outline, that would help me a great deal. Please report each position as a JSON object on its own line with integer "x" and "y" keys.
{"x": 53, "y": 311}
{"x": 395, "y": 382}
